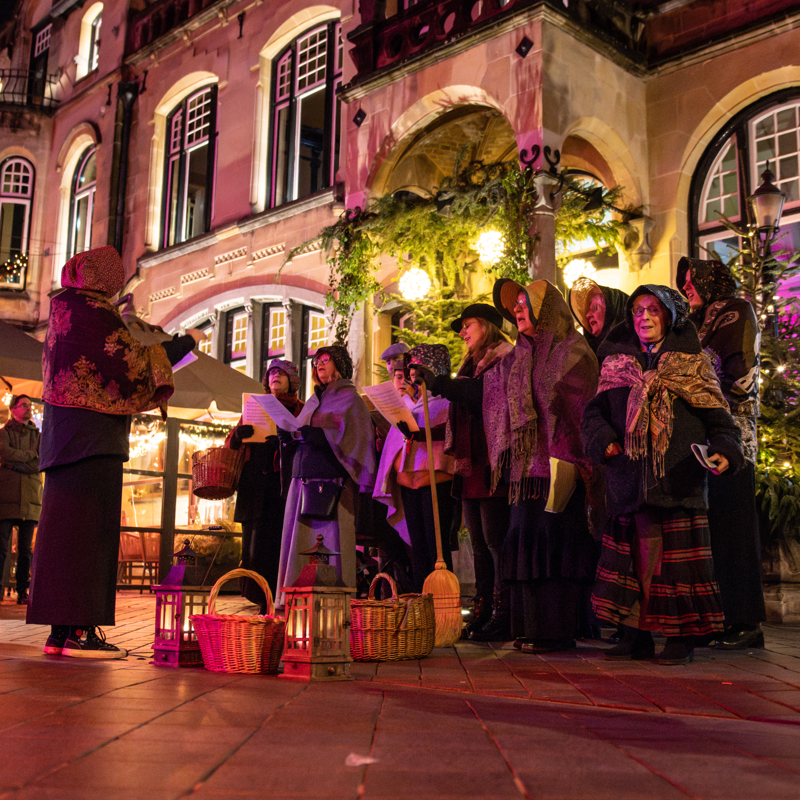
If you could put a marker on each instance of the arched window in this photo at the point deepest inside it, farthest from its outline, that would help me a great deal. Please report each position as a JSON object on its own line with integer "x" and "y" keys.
{"x": 82, "y": 203}
{"x": 768, "y": 132}
{"x": 305, "y": 114}
{"x": 88, "y": 56}
{"x": 189, "y": 171}
{"x": 16, "y": 195}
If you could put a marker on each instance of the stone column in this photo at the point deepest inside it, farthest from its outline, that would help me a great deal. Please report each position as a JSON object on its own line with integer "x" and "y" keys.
{"x": 543, "y": 227}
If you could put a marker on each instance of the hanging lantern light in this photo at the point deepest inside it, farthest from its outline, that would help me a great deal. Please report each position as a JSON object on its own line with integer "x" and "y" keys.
{"x": 578, "y": 268}
{"x": 415, "y": 284}
{"x": 490, "y": 246}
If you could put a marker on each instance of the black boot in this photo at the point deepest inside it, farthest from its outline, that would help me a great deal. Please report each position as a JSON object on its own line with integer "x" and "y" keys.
{"x": 498, "y": 628}
{"x": 634, "y": 646}
{"x": 481, "y": 614}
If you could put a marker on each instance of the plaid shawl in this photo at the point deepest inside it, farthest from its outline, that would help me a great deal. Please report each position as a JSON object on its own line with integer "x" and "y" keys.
{"x": 688, "y": 376}
{"x": 91, "y": 360}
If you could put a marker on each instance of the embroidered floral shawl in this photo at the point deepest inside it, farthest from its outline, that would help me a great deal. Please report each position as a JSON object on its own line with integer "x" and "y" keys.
{"x": 91, "y": 360}
{"x": 533, "y": 400}
{"x": 648, "y": 424}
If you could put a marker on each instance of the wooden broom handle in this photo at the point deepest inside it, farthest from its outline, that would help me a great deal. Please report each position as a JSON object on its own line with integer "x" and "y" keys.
{"x": 440, "y": 562}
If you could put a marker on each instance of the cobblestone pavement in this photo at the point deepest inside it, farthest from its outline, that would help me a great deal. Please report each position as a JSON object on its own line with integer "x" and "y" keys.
{"x": 473, "y": 720}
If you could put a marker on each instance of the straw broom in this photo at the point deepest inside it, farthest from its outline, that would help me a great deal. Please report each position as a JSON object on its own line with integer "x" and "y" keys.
{"x": 441, "y": 583}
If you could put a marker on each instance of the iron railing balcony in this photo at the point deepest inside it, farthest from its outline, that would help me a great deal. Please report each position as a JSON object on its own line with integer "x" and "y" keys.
{"x": 28, "y": 88}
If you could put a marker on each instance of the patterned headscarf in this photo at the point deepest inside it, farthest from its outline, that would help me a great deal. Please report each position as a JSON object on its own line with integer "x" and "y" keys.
{"x": 436, "y": 357}
{"x": 285, "y": 366}
{"x": 712, "y": 279}
{"x": 581, "y": 295}
{"x": 98, "y": 270}
{"x": 677, "y": 307}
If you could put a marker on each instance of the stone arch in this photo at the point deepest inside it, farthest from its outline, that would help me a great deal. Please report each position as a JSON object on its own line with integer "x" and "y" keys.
{"x": 613, "y": 151}
{"x": 285, "y": 33}
{"x": 452, "y": 103}
{"x": 155, "y": 183}
{"x": 725, "y": 108}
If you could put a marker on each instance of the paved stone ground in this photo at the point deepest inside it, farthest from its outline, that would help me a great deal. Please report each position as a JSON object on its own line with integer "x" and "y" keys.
{"x": 471, "y": 721}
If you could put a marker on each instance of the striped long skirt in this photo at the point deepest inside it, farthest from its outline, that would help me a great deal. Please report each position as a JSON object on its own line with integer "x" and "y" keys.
{"x": 656, "y": 573}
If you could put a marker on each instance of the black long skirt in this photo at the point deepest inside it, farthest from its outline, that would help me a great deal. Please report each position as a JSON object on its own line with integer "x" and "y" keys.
{"x": 77, "y": 545}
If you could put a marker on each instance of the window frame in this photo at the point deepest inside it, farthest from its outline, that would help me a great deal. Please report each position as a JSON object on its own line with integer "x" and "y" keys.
{"x": 180, "y": 155}
{"x": 307, "y": 352}
{"x": 89, "y": 191}
{"x": 94, "y": 42}
{"x": 284, "y": 183}
{"x": 23, "y": 199}
{"x": 738, "y": 129}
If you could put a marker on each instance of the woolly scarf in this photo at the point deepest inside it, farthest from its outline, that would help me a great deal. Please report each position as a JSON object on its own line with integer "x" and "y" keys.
{"x": 648, "y": 423}
{"x": 92, "y": 361}
{"x": 343, "y": 416}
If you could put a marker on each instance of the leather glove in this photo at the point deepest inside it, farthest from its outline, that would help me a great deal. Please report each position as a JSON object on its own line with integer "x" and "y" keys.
{"x": 239, "y": 433}
{"x": 423, "y": 373}
{"x": 404, "y": 429}
{"x": 285, "y": 437}
{"x": 312, "y": 435}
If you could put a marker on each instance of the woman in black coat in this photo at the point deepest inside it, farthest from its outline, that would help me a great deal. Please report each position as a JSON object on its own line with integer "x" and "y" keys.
{"x": 731, "y": 337}
{"x": 658, "y": 395}
{"x": 261, "y": 494}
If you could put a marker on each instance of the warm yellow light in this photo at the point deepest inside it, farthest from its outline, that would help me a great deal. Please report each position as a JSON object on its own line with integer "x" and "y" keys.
{"x": 415, "y": 284}
{"x": 578, "y": 268}
{"x": 490, "y": 246}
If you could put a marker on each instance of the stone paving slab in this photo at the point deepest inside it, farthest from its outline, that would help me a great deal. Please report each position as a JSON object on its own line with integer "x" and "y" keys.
{"x": 474, "y": 720}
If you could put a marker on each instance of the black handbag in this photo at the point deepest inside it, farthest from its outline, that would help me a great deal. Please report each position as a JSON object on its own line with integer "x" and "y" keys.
{"x": 319, "y": 497}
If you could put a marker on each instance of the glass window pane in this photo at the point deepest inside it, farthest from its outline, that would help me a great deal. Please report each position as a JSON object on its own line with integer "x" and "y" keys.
{"x": 311, "y": 59}
{"x": 713, "y": 188}
{"x": 196, "y": 172}
{"x": 12, "y": 230}
{"x": 141, "y": 501}
{"x": 728, "y": 162}
{"x": 175, "y": 232}
{"x": 787, "y": 168}
{"x": 729, "y": 183}
{"x": 765, "y": 150}
{"x": 712, "y": 211}
{"x": 765, "y": 126}
{"x": 147, "y": 442}
{"x": 790, "y": 188}
{"x": 81, "y": 227}
{"x": 787, "y": 143}
{"x": 277, "y": 331}
{"x": 311, "y": 115}
{"x": 731, "y": 207}
{"x": 89, "y": 172}
{"x": 787, "y": 119}
{"x": 282, "y": 157}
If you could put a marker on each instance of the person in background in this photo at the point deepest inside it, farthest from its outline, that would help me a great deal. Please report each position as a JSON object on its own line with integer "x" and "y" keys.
{"x": 597, "y": 308}
{"x": 261, "y": 494}
{"x": 20, "y": 488}
{"x": 403, "y": 479}
{"x": 396, "y": 359}
{"x": 485, "y": 510}
{"x": 730, "y": 335}
{"x": 336, "y": 445}
{"x": 658, "y": 395}
{"x": 96, "y": 374}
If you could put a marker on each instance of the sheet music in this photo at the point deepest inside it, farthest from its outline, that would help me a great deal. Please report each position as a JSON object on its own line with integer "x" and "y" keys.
{"x": 254, "y": 414}
{"x": 279, "y": 414}
{"x": 389, "y": 403}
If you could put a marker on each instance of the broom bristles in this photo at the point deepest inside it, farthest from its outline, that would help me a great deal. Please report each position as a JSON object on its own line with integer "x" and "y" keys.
{"x": 446, "y": 591}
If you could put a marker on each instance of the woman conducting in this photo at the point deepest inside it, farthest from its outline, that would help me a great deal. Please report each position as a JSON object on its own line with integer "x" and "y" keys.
{"x": 658, "y": 395}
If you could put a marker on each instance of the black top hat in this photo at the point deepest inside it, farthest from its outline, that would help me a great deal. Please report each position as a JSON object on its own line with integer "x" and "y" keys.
{"x": 478, "y": 311}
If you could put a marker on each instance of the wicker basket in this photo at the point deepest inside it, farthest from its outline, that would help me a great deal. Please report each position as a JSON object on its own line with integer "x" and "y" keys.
{"x": 237, "y": 643}
{"x": 391, "y": 630}
{"x": 215, "y": 472}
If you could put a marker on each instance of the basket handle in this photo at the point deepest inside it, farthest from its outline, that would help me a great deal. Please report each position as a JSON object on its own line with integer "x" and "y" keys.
{"x": 386, "y": 577}
{"x": 242, "y": 573}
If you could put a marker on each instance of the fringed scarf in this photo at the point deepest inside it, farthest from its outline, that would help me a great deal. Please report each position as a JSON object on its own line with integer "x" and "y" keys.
{"x": 648, "y": 423}
{"x": 533, "y": 401}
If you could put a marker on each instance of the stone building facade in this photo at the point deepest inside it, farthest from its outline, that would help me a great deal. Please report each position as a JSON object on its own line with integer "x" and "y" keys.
{"x": 207, "y": 138}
